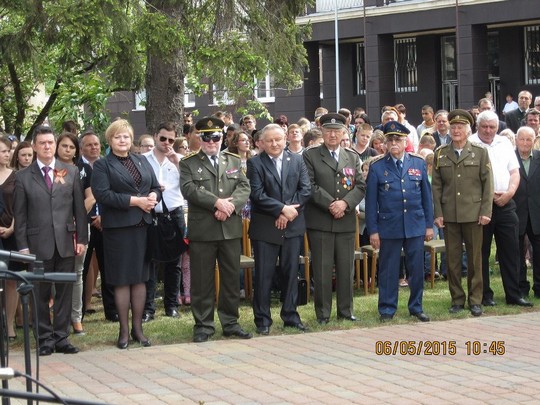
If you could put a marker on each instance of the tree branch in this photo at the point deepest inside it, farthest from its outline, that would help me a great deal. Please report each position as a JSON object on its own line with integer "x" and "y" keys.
{"x": 46, "y": 108}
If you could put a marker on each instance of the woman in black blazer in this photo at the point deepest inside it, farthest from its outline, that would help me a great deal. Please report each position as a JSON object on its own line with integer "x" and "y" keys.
{"x": 126, "y": 190}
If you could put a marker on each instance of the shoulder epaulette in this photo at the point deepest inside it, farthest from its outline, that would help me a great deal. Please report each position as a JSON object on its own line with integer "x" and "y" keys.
{"x": 226, "y": 152}
{"x": 478, "y": 145}
{"x": 377, "y": 158}
{"x": 190, "y": 155}
{"x": 416, "y": 155}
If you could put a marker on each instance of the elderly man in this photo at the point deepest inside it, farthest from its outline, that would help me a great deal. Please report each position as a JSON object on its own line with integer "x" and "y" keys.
{"x": 527, "y": 198}
{"x": 399, "y": 215}
{"x": 462, "y": 195}
{"x": 504, "y": 223}
{"x": 337, "y": 188}
{"x": 279, "y": 190}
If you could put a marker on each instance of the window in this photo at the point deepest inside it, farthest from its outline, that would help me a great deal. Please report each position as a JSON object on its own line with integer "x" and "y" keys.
{"x": 140, "y": 100}
{"x": 220, "y": 97}
{"x": 189, "y": 95}
{"x": 360, "y": 77}
{"x": 264, "y": 89}
{"x": 405, "y": 65}
{"x": 532, "y": 55}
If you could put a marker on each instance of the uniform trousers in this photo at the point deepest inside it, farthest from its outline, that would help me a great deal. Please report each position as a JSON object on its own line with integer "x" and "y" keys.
{"x": 266, "y": 255}
{"x": 203, "y": 257}
{"x": 504, "y": 226}
{"x": 389, "y": 264}
{"x": 329, "y": 249}
{"x": 54, "y": 333}
{"x": 454, "y": 235}
{"x": 524, "y": 285}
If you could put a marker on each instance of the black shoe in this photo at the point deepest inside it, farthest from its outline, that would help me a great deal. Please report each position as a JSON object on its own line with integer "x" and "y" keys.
{"x": 476, "y": 310}
{"x": 300, "y": 326}
{"x": 263, "y": 330}
{"x": 239, "y": 333}
{"x": 323, "y": 321}
{"x": 144, "y": 343}
{"x": 488, "y": 302}
{"x": 454, "y": 309}
{"x": 45, "y": 351}
{"x": 522, "y": 302}
{"x": 422, "y": 317}
{"x": 147, "y": 317}
{"x": 351, "y": 318}
{"x": 386, "y": 318}
{"x": 122, "y": 345}
{"x": 112, "y": 317}
{"x": 172, "y": 313}
{"x": 200, "y": 337}
{"x": 67, "y": 349}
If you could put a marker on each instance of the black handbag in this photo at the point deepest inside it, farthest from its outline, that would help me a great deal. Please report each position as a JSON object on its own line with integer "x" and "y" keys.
{"x": 165, "y": 238}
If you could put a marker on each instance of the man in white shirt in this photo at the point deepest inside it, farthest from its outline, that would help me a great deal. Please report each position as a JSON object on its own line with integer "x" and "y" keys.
{"x": 504, "y": 223}
{"x": 165, "y": 163}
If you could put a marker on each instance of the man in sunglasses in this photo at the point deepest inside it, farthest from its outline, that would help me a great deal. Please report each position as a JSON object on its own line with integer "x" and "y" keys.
{"x": 165, "y": 162}
{"x": 216, "y": 191}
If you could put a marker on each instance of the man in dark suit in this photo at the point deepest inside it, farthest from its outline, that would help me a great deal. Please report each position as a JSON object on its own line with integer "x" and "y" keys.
{"x": 399, "y": 215}
{"x": 337, "y": 188}
{"x": 216, "y": 190}
{"x": 279, "y": 190}
{"x": 49, "y": 217}
{"x": 442, "y": 134}
{"x": 527, "y": 198}
{"x": 513, "y": 118}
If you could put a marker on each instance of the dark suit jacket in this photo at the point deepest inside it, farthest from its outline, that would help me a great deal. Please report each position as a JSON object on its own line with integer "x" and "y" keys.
{"x": 45, "y": 220}
{"x": 527, "y": 196}
{"x": 513, "y": 119}
{"x": 202, "y": 185}
{"x": 113, "y": 188}
{"x": 269, "y": 194}
{"x": 331, "y": 180}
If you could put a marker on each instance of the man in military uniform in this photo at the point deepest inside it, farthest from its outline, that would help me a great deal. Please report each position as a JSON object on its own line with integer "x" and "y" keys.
{"x": 337, "y": 187}
{"x": 462, "y": 195}
{"x": 399, "y": 215}
{"x": 216, "y": 190}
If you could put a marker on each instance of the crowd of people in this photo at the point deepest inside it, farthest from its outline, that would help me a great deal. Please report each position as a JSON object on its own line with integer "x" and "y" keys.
{"x": 463, "y": 176}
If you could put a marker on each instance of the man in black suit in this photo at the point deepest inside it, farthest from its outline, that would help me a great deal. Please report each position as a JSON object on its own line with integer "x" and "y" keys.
{"x": 527, "y": 198}
{"x": 442, "y": 134}
{"x": 279, "y": 189}
{"x": 49, "y": 217}
{"x": 514, "y": 117}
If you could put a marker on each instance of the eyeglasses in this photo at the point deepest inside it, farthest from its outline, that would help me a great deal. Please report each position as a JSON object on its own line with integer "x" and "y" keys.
{"x": 12, "y": 138}
{"x": 215, "y": 137}
{"x": 147, "y": 146}
{"x": 165, "y": 139}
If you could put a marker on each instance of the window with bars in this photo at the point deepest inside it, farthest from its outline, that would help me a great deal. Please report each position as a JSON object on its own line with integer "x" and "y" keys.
{"x": 360, "y": 69}
{"x": 532, "y": 54}
{"x": 406, "y": 76}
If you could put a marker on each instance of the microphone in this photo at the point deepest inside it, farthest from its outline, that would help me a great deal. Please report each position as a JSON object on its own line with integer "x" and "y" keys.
{"x": 17, "y": 257}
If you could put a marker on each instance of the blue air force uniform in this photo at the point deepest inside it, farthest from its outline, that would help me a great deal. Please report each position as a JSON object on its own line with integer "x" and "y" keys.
{"x": 399, "y": 208}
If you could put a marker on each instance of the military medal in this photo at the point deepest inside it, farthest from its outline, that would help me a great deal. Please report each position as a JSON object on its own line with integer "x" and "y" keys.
{"x": 386, "y": 187}
{"x": 385, "y": 173}
{"x": 199, "y": 170}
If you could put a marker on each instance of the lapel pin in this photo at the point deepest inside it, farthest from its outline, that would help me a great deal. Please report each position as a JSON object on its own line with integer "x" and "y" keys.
{"x": 199, "y": 170}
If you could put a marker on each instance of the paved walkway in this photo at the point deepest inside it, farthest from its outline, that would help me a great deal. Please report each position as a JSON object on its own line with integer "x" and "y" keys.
{"x": 337, "y": 367}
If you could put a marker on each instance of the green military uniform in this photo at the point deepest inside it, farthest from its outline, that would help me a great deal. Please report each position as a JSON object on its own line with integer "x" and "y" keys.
{"x": 211, "y": 239}
{"x": 462, "y": 192}
{"x": 332, "y": 240}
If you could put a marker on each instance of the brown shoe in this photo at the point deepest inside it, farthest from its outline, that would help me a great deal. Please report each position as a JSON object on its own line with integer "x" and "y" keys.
{"x": 77, "y": 328}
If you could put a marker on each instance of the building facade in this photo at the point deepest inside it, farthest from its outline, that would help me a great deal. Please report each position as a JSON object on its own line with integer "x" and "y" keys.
{"x": 445, "y": 53}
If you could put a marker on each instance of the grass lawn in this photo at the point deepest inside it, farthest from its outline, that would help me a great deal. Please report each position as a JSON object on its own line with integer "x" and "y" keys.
{"x": 101, "y": 333}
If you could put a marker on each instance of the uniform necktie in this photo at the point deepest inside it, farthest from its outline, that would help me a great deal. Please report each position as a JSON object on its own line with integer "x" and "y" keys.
{"x": 399, "y": 166}
{"x": 334, "y": 155}
{"x": 457, "y": 154}
{"x": 214, "y": 161}
{"x": 48, "y": 180}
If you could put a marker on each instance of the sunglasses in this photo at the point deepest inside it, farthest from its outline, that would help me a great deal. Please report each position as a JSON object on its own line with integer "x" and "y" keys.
{"x": 165, "y": 139}
{"x": 215, "y": 137}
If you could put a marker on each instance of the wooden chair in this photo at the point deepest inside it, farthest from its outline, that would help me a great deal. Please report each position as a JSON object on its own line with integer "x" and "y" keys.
{"x": 247, "y": 262}
{"x": 434, "y": 246}
{"x": 360, "y": 256}
{"x": 368, "y": 251}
